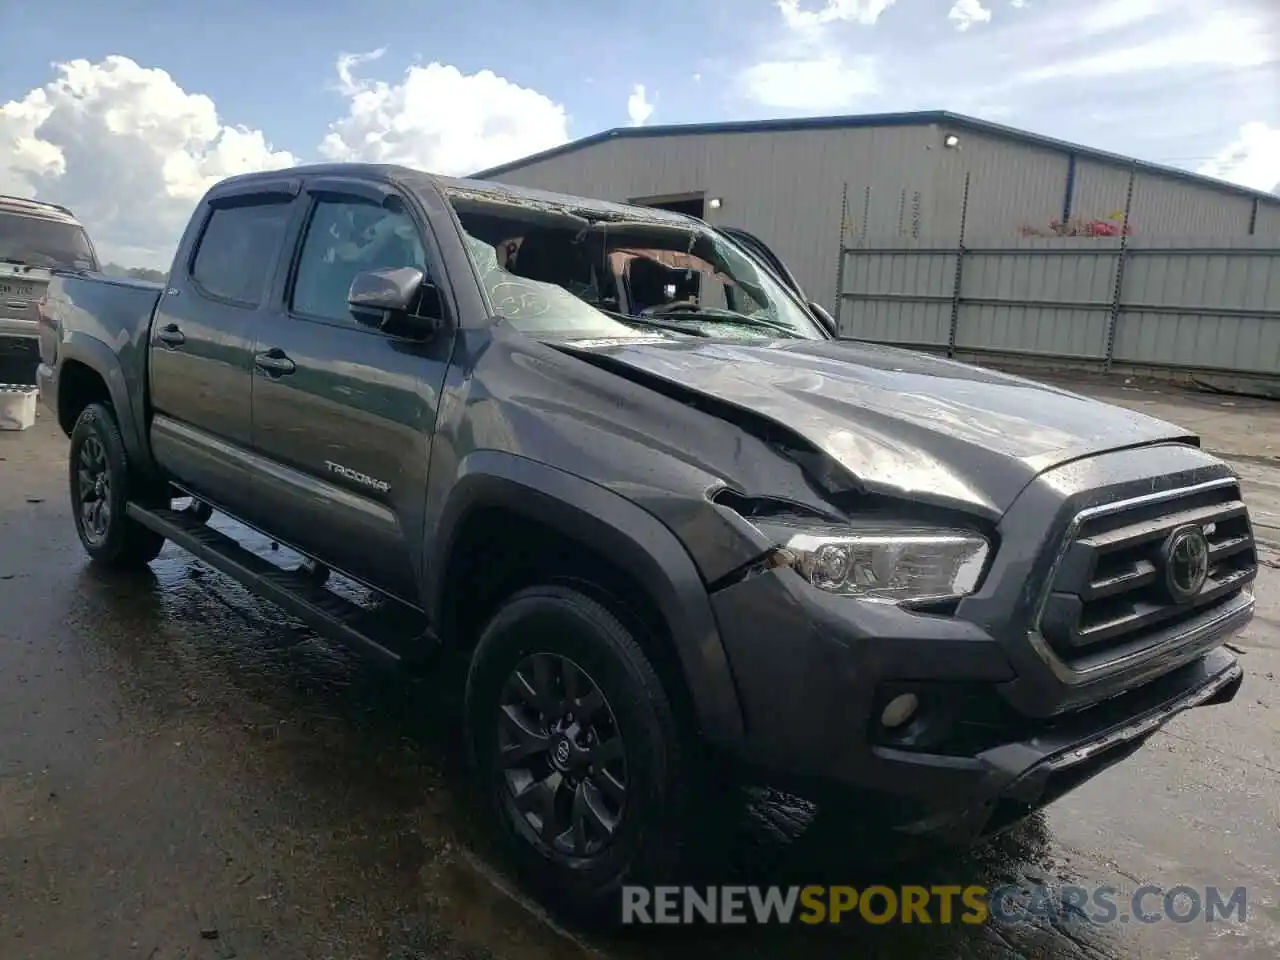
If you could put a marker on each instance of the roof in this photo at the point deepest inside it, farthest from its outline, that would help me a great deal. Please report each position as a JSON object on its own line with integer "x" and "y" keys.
{"x": 29, "y": 207}
{"x": 598, "y": 209}
{"x": 483, "y": 189}
{"x": 918, "y": 118}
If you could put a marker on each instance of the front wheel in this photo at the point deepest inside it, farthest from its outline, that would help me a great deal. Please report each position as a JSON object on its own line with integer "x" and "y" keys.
{"x": 100, "y": 491}
{"x": 576, "y": 748}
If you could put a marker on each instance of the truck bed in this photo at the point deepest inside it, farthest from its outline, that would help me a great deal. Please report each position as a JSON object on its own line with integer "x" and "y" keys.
{"x": 97, "y": 301}
{"x": 85, "y": 311}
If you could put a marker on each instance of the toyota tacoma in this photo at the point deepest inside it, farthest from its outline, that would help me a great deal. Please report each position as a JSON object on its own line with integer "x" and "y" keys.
{"x": 614, "y": 460}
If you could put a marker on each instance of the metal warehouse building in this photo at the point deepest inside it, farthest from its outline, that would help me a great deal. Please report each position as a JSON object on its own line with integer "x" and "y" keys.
{"x": 823, "y": 191}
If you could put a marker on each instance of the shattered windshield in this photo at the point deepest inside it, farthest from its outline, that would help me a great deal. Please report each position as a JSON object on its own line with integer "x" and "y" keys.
{"x": 558, "y": 272}
{"x": 37, "y": 242}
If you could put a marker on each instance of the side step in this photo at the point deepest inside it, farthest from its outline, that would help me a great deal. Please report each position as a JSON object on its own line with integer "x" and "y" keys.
{"x": 389, "y": 637}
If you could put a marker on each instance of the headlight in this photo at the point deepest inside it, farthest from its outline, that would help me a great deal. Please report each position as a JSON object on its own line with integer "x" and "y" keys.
{"x": 888, "y": 563}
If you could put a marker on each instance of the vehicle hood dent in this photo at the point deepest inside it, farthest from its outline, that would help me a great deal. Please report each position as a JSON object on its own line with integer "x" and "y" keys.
{"x": 902, "y": 423}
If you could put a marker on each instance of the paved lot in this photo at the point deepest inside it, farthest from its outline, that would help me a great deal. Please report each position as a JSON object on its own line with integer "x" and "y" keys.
{"x": 177, "y": 759}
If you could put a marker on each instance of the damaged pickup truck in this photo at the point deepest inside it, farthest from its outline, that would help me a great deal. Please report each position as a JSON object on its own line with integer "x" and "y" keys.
{"x": 612, "y": 459}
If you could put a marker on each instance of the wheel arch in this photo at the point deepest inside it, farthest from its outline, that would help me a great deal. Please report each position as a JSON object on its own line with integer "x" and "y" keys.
{"x": 80, "y": 358}
{"x": 602, "y": 524}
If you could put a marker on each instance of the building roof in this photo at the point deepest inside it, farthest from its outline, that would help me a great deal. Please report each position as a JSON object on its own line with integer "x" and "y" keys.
{"x": 955, "y": 121}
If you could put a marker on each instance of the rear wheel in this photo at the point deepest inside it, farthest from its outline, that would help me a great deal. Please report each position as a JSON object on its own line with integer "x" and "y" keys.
{"x": 576, "y": 748}
{"x": 100, "y": 491}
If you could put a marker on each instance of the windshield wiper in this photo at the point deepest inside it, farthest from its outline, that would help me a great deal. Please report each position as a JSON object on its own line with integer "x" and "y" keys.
{"x": 655, "y": 322}
{"x": 721, "y": 315}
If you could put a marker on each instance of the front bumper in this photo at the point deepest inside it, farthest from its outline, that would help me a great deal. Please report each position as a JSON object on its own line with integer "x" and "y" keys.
{"x": 1015, "y": 779}
{"x": 813, "y": 682}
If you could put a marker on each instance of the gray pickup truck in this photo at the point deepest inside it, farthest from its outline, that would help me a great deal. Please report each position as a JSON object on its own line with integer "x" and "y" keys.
{"x": 614, "y": 461}
{"x": 35, "y": 238}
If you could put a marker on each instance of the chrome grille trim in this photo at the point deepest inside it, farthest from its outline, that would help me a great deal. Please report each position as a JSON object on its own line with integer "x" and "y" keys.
{"x": 1182, "y": 646}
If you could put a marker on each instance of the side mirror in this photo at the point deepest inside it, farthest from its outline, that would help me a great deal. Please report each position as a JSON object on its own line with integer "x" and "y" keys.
{"x": 400, "y": 298}
{"x": 823, "y": 317}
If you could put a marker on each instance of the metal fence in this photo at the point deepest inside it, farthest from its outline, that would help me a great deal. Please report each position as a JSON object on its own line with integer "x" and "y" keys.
{"x": 1124, "y": 301}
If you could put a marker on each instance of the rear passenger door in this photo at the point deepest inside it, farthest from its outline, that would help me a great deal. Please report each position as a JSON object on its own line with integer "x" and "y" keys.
{"x": 201, "y": 348}
{"x": 343, "y": 412}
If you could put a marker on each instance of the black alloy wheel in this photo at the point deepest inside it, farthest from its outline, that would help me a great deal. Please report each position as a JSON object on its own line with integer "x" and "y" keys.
{"x": 563, "y": 756}
{"x": 94, "y": 481}
{"x": 578, "y": 751}
{"x": 101, "y": 487}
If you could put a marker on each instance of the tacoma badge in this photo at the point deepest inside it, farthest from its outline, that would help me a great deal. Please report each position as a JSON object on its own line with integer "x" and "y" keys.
{"x": 361, "y": 478}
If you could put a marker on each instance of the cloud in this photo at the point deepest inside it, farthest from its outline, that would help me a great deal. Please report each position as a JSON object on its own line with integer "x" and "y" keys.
{"x": 347, "y": 83}
{"x": 1228, "y": 40}
{"x": 128, "y": 149}
{"x": 966, "y": 13}
{"x": 439, "y": 119}
{"x": 1119, "y": 14}
{"x": 824, "y": 83}
{"x": 639, "y": 109}
{"x": 865, "y": 12}
{"x": 1252, "y": 160}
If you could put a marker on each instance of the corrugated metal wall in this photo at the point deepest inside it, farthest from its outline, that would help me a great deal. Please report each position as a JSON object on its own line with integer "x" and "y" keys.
{"x": 784, "y": 187}
{"x": 902, "y": 186}
{"x": 1143, "y": 303}
{"x": 935, "y": 255}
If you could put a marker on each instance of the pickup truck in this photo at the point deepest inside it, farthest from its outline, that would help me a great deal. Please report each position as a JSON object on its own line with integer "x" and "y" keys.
{"x": 35, "y": 237}
{"x": 612, "y": 460}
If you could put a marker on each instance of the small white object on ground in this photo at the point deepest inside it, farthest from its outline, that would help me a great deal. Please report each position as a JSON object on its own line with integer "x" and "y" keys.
{"x": 17, "y": 406}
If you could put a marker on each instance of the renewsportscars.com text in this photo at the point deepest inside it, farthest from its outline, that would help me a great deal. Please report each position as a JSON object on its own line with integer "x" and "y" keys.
{"x": 938, "y": 904}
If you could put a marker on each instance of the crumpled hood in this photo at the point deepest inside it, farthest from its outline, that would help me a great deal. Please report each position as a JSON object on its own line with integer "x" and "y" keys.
{"x": 903, "y": 423}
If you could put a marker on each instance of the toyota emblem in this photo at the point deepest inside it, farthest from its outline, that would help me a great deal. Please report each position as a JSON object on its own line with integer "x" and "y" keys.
{"x": 1186, "y": 563}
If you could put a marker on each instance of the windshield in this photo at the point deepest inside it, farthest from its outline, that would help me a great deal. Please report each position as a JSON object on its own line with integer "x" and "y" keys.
{"x": 554, "y": 271}
{"x": 37, "y": 242}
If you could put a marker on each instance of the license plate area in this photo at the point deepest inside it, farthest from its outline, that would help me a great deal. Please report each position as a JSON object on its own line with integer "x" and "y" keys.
{"x": 17, "y": 290}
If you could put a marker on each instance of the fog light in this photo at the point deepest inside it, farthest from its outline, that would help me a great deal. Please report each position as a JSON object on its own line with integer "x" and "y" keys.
{"x": 899, "y": 710}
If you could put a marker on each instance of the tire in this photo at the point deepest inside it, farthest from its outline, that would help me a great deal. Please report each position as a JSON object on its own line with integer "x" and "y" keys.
{"x": 98, "y": 473}
{"x": 556, "y": 626}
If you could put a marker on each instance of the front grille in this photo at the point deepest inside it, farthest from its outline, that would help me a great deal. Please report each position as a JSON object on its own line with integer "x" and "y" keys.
{"x": 1116, "y": 589}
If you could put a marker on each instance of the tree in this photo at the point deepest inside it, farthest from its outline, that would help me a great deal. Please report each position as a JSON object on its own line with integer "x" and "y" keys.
{"x": 136, "y": 273}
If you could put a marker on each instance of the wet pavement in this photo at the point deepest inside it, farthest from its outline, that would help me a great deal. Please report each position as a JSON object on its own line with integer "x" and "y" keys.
{"x": 186, "y": 773}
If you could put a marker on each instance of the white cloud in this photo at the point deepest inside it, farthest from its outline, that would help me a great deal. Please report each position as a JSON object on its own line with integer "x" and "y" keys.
{"x": 441, "y": 120}
{"x": 639, "y": 109}
{"x": 865, "y": 12}
{"x": 1118, "y": 14}
{"x": 825, "y": 83}
{"x": 1227, "y": 40}
{"x": 1252, "y": 160}
{"x": 127, "y": 149}
{"x": 347, "y": 83}
{"x": 966, "y": 13}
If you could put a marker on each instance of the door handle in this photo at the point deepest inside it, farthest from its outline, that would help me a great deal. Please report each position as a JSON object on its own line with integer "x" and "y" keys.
{"x": 171, "y": 335}
{"x": 274, "y": 362}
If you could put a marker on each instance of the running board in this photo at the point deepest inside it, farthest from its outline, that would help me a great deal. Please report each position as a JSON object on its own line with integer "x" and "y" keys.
{"x": 393, "y": 637}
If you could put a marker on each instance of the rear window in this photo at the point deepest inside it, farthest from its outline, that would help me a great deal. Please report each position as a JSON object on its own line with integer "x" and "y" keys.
{"x": 238, "y": 249}
{"x": 37, "y": 242}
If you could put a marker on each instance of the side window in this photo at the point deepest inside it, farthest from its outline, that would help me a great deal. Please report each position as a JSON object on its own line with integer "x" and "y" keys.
{"x": 237, "y": 250}
{"x": 344, "y": 238}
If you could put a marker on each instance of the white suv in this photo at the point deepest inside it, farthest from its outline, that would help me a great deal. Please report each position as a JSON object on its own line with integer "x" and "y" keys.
{"x": 35, "y": 239}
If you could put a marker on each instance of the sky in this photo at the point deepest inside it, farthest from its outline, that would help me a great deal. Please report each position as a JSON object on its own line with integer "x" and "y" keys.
{"x": 128, "y": 110}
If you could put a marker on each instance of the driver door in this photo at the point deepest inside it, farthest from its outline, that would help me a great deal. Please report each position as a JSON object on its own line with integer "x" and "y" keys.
{"x": 343, "y": 413}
